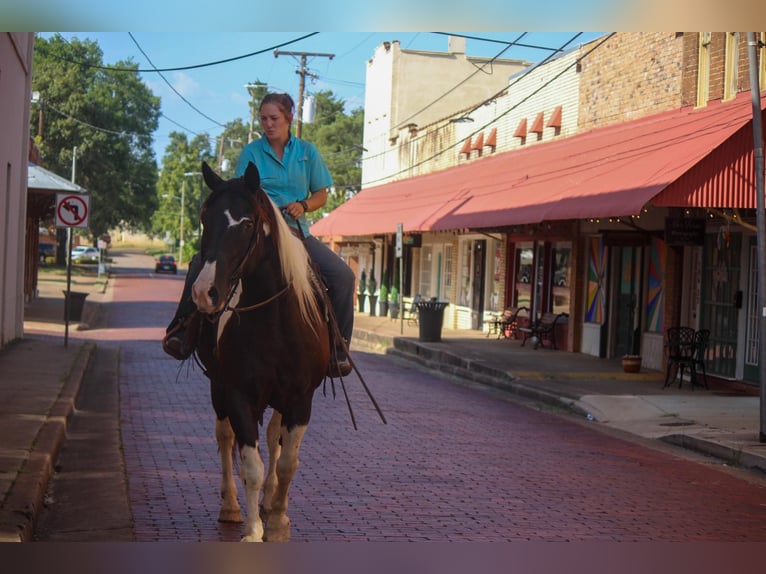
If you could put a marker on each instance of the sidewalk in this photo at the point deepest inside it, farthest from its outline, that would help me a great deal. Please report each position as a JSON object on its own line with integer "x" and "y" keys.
{"x": 40, "y": 378}
{"x": 39, "y": 381}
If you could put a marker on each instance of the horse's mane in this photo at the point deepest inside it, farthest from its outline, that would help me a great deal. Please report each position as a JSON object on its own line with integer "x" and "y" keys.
{"x": 295, "y": 263}
{"x": 293, "y": 257}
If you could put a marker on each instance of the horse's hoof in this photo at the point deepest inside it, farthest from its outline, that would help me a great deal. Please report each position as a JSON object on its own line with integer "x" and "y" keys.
{"x": 277, "y": 529}
{"x": 234, "y": 515}
{"x": 250, "y": 538}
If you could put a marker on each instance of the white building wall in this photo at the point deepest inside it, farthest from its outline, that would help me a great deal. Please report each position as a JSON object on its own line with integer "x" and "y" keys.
{"x": 408, "y": 90}
{"x": 15, "y": 93}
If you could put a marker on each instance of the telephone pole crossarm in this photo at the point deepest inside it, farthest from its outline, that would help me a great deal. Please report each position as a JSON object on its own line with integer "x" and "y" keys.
{"x": 302, "y": 72}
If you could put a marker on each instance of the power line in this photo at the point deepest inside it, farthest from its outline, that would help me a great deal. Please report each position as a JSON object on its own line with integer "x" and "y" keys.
{"x": 482, "y": 128}
{"x": 187, "y": 102}
{"x": 182, "y": 68}
{"x": 460, "y": 83}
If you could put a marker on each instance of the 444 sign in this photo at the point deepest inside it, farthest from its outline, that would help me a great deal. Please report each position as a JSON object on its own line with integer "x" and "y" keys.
{"x": 72, "y": 210}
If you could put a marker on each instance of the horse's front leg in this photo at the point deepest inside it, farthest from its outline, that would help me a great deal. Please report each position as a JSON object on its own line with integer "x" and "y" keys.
{"x": 230, "y": 510}
{"x": 270, "y": 485}
{"x": 278, "y": 523}
{"x": 251, "y": 473}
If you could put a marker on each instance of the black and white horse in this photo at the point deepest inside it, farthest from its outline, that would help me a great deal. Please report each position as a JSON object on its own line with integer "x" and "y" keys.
{"x": 264, "y": 342}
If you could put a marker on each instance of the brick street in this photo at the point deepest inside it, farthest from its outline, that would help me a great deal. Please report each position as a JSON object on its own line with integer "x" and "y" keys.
{"x": 454, "y": 463}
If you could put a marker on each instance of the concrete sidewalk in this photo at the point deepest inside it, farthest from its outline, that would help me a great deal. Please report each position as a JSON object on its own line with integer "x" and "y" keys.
{"x": 40, "y": 379}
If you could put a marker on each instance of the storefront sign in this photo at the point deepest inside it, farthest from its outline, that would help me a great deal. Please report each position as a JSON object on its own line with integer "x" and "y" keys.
{"x": 685, "y": 231}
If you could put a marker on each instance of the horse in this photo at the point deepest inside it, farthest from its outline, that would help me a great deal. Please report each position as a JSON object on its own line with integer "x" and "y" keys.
{"x": 263, "y": 342}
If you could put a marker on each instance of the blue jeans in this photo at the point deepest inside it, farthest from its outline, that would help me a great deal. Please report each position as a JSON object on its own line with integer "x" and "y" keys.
{"x": 340, "y": 283}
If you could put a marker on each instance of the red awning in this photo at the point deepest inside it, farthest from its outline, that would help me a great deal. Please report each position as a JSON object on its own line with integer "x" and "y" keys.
{"x": 611, "y": 171}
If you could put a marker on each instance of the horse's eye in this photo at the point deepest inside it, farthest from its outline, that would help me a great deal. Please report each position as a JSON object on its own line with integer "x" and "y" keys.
{"x": 248, "y": 223}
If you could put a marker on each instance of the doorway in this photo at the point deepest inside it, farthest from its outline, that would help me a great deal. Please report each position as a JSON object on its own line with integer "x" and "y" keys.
{"x": 479, "y": 284}
{"x": 626, "y": 305}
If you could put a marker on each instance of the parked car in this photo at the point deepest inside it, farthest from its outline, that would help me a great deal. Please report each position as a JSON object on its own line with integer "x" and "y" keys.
{"x": 46, "y": 250}
{"x": 166, "y": 264}
{"x": 85, "y": 254}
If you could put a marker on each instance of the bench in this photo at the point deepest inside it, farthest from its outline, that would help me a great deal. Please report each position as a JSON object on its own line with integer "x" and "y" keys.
{"x": 543, "y": 329}
{"x": 411, "y": 309}
{"x": 506, "y": 325}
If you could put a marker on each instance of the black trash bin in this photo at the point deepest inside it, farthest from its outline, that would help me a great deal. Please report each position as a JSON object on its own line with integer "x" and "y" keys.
{"x": 76, "y": 305}
{"x": 430, "y": 320}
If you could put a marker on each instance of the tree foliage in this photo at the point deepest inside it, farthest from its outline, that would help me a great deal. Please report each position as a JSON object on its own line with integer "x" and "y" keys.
{"x": 109, "y": 116}
{"x": 338, "y": 137}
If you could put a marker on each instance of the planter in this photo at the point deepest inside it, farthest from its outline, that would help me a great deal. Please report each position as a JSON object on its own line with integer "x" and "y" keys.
{"x": 360, "y": 302}
{"x": 631, "y": 364}
{"x": 394, "y": 310}
{"x": 383, "y": 308}
{"x": 373, "y": 301}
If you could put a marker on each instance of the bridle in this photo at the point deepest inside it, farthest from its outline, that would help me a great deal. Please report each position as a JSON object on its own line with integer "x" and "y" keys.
{"x": 235, "y": 278}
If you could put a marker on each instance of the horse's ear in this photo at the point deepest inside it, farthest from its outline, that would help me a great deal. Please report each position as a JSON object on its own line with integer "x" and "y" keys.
{"x": 212, "y": 179}
{"x": 252, "y": 177}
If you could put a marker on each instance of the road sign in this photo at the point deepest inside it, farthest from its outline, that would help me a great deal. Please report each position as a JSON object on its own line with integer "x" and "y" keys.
{"x": 72, "y": 210}
{"x": 399, "y": 232}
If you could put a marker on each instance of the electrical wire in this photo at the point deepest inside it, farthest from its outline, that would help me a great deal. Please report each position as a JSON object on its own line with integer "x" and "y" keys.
{"x": 187, "y": 102}
{"x": 182, "y": 68}
{"x": 493, "y": 120}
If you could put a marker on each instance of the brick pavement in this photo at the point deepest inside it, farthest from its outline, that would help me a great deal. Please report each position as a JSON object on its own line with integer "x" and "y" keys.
{"x": 455, "y": 462}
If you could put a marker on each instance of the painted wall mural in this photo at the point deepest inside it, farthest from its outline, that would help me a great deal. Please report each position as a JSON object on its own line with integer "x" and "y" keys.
{"x": 655, "y": 286}
{"x": 596, "y": 308}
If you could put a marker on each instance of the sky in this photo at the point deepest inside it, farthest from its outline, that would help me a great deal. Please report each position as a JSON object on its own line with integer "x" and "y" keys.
{"x": 216, "y": 94}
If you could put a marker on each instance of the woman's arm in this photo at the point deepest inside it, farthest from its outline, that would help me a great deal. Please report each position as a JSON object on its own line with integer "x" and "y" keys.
{"x": 315, "y": 201}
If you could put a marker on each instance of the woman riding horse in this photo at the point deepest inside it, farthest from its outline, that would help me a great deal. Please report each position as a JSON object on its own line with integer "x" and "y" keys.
{"x": 295, "y": 177}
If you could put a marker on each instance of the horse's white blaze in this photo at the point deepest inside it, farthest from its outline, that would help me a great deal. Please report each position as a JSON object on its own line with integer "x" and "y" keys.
{"x": 226, "y": 315}
{"x": 234, "y": 222}
{"x": 251, "y": 473}
{"x": 201, "y": 288}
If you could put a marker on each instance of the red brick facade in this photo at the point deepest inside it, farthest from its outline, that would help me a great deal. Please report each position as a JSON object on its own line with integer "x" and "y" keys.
{"x": 632, "y": 75}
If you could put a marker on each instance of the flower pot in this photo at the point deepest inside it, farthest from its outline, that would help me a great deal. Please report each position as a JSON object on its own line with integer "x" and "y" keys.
{"x": 394, "y": 310}
{"x": 631, "y": 364}
{"x": 382, "y": 308}
{"x": 360, "y": 301}
{"x": 373, "y": 303}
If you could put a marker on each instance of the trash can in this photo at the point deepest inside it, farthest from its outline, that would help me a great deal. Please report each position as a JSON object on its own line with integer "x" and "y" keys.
{"x": 76, "y": 304}
{"x": 430, "y": 320}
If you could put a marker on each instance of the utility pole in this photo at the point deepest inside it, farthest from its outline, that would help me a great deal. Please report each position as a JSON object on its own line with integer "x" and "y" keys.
{"x": 302, "y": 72}
{"x": 753, "y": 45}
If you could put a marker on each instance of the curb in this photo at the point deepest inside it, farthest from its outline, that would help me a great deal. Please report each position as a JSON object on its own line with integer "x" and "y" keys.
{"x": 733, "y": 456}
{"x": 25, "y": 500}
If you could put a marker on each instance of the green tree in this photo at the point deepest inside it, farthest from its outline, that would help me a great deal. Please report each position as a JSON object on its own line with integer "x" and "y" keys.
{"x": 180, "y": 187}
{"x": 109, "y": 117}
{"x": 338, "y": 136}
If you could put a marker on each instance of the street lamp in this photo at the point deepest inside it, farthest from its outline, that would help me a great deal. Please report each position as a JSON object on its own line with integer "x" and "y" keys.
{"x": 183, "y": 187}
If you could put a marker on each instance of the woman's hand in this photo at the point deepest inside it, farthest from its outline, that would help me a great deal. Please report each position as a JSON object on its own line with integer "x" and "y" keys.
{"x": 296, "y": 209}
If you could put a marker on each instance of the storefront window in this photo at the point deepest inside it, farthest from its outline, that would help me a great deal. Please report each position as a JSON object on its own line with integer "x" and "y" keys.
{"x": 523, "y": 274}
{"x": 561, "y": 276}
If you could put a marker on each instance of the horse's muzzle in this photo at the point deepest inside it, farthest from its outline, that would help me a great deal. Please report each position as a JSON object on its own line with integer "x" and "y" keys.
{"x": 204, "y": 292}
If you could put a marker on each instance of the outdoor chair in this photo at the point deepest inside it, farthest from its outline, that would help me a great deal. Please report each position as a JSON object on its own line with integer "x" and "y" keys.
{"x": 679, "y": 342}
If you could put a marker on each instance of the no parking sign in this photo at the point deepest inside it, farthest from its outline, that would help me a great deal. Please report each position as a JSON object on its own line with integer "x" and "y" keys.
{"x": 72, "y": 210}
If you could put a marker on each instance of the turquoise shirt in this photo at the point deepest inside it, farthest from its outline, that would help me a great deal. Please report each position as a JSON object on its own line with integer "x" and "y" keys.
{"x": 299, "y": 173}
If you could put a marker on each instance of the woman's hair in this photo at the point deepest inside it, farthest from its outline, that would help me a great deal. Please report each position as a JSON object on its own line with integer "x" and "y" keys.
{"x": 283, "y": 101}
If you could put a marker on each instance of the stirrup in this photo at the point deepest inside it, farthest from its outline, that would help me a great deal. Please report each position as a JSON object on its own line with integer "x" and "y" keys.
{"x": 179, "y": 341}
